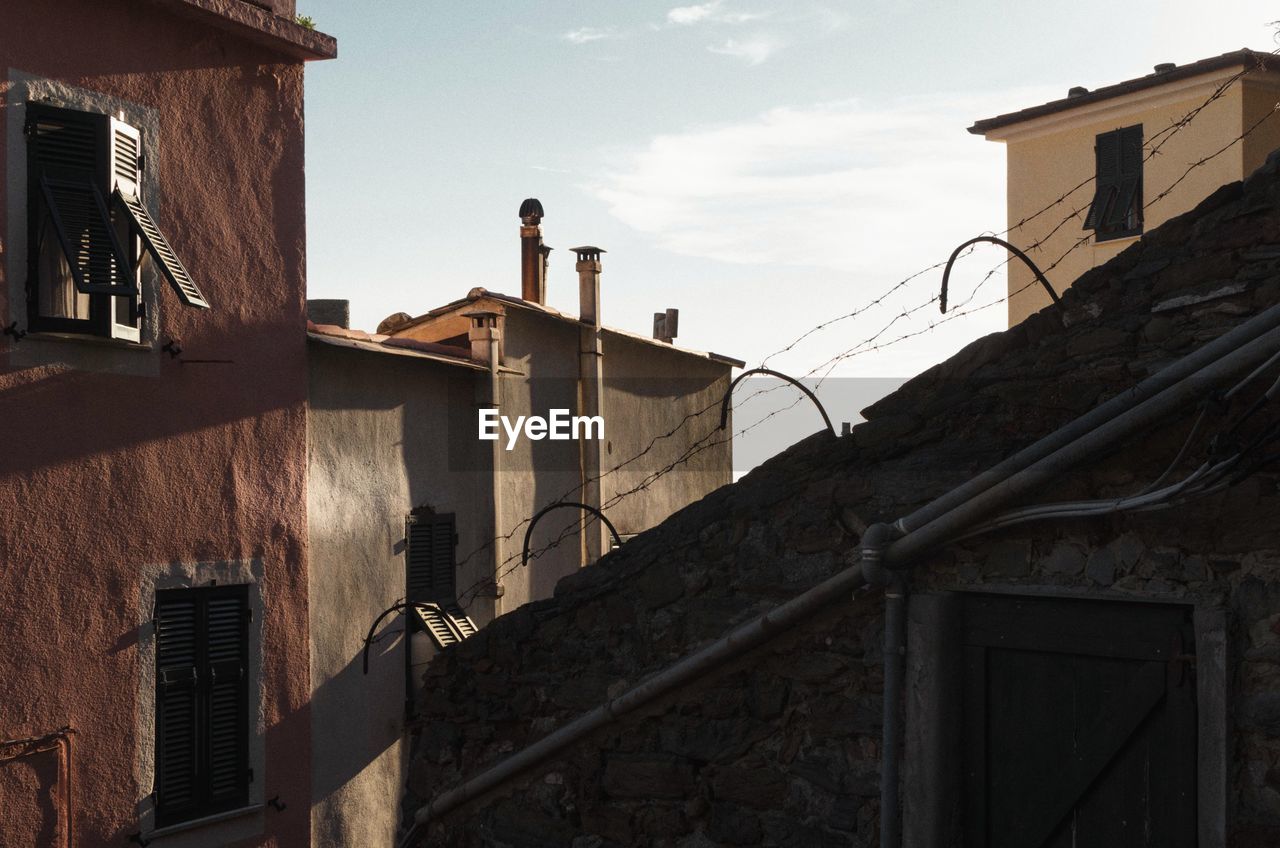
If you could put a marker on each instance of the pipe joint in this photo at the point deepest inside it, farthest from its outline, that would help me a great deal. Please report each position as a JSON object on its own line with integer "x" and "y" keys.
{"x": 874, "y": 542}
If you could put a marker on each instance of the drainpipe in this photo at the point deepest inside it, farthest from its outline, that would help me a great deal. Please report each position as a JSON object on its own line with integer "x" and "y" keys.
{"x": 874, "y": 541}
{"x": 485, "y": 335}
{"x": 949, "y": 516}
{"x": 595, "y": 540}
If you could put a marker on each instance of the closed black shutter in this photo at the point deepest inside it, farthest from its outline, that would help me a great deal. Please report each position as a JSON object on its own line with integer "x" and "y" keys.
{"x": 226, "y": 623}
{"x": 177, "y": 705}
{"x": 68, "y": 162}
{"x": 429, "y": 558}
{"x": 202, "y": 722}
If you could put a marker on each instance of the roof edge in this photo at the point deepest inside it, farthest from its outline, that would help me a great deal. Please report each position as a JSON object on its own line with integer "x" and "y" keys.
{"x": 259, "y": 26}
{"x": 479, "y": 293}
{"x": 1242, "y": 57}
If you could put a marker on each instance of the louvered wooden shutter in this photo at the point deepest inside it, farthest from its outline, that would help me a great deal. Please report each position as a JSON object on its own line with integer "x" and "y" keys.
{"x": 69, "y": 160}
{"x": 1106, "y": 154}
{"x": 1127, "y": 212}
{"x": 177, "y": 706}
{"x": 429, "y": 558}
{"x": 126, "y": 186}
{"x": 446, "y": 623}
{"x": 202, "y": 722}
{"x": 227, "y": 642}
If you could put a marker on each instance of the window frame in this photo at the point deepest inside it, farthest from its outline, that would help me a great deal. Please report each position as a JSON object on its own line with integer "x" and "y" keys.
{"x": 101, "y": 320}
{"x": 97, "y": 162}
{"x": 202, "y": 683}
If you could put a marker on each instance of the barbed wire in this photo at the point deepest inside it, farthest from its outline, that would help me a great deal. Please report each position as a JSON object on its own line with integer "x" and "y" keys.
{"x": 1154, "y": 146}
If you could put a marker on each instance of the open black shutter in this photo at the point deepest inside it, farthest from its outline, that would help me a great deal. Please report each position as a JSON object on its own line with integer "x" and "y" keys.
{"x": 432, "y": 578}
{"x": 68, "y": 153}
{"x": 1106, "y": 153}
{"x": 177, "y": 706}
{"x": 1127, "y": 212}
{"x": 430, "y": 558}
{"x": 227, "y": 658}
{"x": 161, "y": 251}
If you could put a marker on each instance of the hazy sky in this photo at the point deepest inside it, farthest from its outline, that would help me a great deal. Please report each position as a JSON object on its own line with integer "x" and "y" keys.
{"x": 761, "y": 165}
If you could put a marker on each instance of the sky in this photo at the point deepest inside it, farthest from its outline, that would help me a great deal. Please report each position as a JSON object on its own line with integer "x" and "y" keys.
{"x": 763, "y": 166}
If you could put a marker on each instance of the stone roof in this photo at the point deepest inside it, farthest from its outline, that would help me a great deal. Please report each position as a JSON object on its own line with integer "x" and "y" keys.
{"x": 797, "y": 518}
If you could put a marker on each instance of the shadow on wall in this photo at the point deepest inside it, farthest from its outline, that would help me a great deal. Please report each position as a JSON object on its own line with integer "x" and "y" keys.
{"x": 54, "y": 417}
{"x": 350, "y": 692}
{"x": 31, "y": 797}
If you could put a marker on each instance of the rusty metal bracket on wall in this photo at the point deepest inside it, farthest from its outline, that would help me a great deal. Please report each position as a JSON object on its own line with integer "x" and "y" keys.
{"x": 724, "y": 404}
{"x": 528, "y": 534}
{"x": 955, "y": 254}
{"x": 59, "y": 739}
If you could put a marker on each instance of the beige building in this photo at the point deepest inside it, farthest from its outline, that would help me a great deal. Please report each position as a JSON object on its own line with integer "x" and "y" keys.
{"x": 1096, "y": 147}
{"x": 406, "y": 501}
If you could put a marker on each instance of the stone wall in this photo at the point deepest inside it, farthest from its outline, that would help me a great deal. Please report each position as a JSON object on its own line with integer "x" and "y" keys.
{"x": 783, "y": 746}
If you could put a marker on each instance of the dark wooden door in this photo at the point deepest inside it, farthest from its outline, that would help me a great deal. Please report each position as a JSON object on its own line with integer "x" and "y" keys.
{"x": 1079, "y": 723}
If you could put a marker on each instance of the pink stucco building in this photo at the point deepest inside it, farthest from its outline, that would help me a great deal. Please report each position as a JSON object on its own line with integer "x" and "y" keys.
{"x": 154, "y": 667}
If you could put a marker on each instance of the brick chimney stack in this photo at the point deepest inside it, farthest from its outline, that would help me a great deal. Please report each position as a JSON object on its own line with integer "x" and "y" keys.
{"x": 533, "y": 254}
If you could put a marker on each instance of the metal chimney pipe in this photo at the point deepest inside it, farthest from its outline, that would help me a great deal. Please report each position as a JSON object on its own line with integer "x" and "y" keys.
{"x": 595, "y": 542}
{"x": 588, "y": 268}
{"x": 533, "y": 256}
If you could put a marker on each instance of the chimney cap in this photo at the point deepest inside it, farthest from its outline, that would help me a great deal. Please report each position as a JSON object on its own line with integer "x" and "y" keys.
{"x": 531, "y": 208}
{"x": 588, "y": 252}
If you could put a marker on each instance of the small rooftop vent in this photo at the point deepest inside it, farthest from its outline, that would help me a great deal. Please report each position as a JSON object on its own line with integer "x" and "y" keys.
{"x": 531, "y": 208}
{"x": 1165, "y": 67}
{"x": 1077, "y": 91}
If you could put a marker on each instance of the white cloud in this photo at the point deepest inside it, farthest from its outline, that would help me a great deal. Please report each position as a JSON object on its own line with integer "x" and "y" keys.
{"x": 585, "y": 35}
{"x": 692, "y": 14}
{"x": 844, "y": 186}
{"x": 713, "y": 11}
{"x": 754, "y": 50}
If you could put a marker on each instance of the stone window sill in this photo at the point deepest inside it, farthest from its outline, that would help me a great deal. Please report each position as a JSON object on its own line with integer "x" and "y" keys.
{"x": 97, "y": 341}
{"x": 183, "y": 827}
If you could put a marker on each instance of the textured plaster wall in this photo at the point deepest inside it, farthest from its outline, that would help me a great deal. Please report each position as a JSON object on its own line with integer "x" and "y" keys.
{"x": 648, "y": 392}
{"x": 537, "y": 473}
{"x": 107, "y": 470}
{"x": 378, "y": 447}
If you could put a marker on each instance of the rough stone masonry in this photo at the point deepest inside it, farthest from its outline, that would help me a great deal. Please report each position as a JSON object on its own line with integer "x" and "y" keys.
{"x": 783, "y": 747}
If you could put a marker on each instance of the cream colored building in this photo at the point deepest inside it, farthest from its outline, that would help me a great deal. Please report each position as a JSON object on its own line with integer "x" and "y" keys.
{"x": 404, "y": 500}
{"x": 1086, "y": 147}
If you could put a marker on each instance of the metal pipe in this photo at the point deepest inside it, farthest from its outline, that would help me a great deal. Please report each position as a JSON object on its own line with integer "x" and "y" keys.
{"x": 1099, "y": 415}
{"x": 934, "y": 524}
{"x": 724, "y": 403}
{"x": 955, "y": 254}
{"x": 533, "y": 522}
{"x": 1036, "y": 475}
{"x": 895, "y": 637}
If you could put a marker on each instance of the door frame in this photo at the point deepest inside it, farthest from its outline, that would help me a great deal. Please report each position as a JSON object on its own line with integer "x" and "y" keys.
{"x": 933, "y": 732}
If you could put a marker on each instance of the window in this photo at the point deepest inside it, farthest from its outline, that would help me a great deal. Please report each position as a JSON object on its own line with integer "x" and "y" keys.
{"x": 202, "y": 706}
{"x": 88, "y": 229}
{"x": 1116, "y": 210}
{"x": 431, "y": 574}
